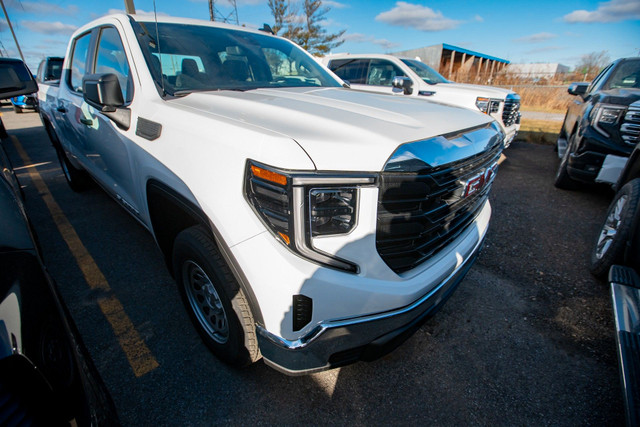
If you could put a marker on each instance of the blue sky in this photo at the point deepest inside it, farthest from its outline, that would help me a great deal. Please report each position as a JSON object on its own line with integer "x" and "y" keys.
{"x": 532, "y": 31}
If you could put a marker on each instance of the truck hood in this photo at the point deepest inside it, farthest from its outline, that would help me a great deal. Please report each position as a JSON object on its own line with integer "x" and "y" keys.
{"x": 340, "y": 129}
{"x": 474, "y": 90}
{"x": 619, "y": 96}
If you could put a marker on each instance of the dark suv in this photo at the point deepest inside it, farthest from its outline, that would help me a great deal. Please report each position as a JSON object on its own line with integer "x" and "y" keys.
{"x": 601, "y": 127}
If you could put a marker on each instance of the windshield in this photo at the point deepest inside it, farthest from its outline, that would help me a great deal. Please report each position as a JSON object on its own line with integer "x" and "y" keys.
{"x": 201, "y": 58}
{"x": 426, "y": 73}
{"x": 626, "y": 75}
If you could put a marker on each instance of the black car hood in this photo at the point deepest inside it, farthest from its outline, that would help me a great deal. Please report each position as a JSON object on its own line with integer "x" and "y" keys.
{"x": 620, "y": 96}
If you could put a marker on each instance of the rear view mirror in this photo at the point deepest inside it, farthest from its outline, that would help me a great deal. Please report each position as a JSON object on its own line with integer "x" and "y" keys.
{"x": 578, "y": 89}
{"x": 15, "y": 79}
{"x": 403, "y": 83}
{"x": 103, "y": 92}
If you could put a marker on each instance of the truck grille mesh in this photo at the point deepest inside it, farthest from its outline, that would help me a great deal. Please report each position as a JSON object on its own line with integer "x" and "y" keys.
{"x": 419, "y": 213}
{"x": 511, "y": 112}
{"x": 630, "y": 129}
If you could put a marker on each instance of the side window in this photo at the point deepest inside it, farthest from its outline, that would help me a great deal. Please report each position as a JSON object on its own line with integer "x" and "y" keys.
{"x": 382, "y": 72}
{"x": 79, "y": 61}
{"x": 111, "y": 58}
{"x": 596, "y": 82}
{"x": 352, "y": 70}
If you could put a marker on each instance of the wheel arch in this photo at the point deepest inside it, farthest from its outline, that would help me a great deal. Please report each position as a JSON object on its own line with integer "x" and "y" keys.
{"x": 170, "y": 213}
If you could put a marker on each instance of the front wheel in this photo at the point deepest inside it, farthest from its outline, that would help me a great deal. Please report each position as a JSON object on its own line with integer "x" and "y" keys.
{"x": 616, "y": 231}
{"x": 217, "y": 306}
{"x": 563, "y": 180}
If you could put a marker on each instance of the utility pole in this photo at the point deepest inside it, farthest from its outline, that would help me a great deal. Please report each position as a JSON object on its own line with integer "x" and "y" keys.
{"x": 130, "y": 7}
{"x": 12, "y": 32}
{"x": 216, "y": 15}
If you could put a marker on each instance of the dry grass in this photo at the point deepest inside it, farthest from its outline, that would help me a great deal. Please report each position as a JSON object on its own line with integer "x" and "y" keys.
{"x": 539, "y": 131}
{"x": 546, "y": 99}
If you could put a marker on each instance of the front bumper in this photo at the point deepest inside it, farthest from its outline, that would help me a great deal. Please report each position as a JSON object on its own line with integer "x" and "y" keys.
{"x": 337, "y": 343}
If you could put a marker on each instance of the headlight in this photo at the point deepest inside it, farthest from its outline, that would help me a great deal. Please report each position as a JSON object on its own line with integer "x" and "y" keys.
{"x": 604, "y": 117}
{"x": 300, "y": 206}
{"x": 488, "y": 105}
{"x": 482, "y": 104}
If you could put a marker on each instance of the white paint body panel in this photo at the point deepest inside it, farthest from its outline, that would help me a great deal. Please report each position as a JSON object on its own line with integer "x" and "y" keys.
{"x": 202, "y": 153}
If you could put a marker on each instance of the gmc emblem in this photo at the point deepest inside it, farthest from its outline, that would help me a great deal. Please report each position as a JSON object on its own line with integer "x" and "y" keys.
{"x": 478, "y": 182}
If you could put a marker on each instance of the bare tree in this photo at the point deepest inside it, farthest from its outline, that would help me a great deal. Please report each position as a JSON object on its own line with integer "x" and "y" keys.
{"x": 306, "y": 28}
{"x": 590, "y": 65}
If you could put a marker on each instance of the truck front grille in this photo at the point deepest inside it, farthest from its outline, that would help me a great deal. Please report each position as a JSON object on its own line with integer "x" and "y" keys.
{"x": 511, "y": 112}
{"x": 419, "y": 213}
{"x": 630, "y": 129}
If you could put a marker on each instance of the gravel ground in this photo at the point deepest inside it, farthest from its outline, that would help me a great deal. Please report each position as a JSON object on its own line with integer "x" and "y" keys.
{"x": 527, "y": 339}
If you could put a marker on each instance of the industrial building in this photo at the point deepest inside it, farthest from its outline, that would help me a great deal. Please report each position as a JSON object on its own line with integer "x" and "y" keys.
{"x": 537, "y": 71}
{"x": 455, "y": 62}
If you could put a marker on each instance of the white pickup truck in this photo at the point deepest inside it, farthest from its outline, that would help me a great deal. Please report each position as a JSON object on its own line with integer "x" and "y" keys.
{"x": 305, "y": 223}
{"x": 391, "y": 74}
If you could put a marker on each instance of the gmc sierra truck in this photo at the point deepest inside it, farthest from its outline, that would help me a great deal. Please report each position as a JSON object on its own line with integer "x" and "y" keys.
{"x": 601, "y": 127}
{"x": 305, "y": 223}
{"x": 407, "y": 76}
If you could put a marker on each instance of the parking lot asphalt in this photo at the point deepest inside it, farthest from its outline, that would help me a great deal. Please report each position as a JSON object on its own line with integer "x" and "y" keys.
{"x": 527, "y": 339}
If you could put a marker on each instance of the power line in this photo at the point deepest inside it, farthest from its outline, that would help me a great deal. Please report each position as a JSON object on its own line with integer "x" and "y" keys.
{"x": 216, "y": 15}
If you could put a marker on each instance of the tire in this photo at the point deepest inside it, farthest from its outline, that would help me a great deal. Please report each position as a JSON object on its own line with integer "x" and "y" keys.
{"x": 215, "y": 302}
{"x": 615, "y": 232}
{"x": 563, "y": 180}
{"x": 78, "y": 179}
{"x": 17, "y": 109}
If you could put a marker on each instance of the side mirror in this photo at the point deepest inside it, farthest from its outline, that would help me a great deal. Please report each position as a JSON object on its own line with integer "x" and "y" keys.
{"x": 403, "y": 83}
{"x": 103, "y": 92}
{"x": 578, "y": 89}
{"x": 15, "y": 79}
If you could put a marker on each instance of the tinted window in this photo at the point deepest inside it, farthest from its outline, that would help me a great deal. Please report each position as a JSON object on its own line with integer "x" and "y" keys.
{"x": 112, "y": 59}
{"x": 426, "y": 73}
{"x": 382, "y": 72}
{"x": 54, "y": 69}
{"x": 211, "y": 58}
{"x": 352, "y": 70}
{"x": 79, "y": 61}
{"x": 626, "y": 75}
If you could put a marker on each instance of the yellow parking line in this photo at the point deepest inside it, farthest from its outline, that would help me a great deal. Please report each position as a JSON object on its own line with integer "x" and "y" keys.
{"x": 137, "y": 352}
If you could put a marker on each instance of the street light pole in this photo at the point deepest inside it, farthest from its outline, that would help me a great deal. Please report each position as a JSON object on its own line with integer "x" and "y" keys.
{"x": 130, "y": 7}
{"x": 11, "y": 28}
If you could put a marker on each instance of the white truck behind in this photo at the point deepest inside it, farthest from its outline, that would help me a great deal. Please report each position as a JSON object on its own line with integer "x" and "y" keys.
{"x": 392, "y": 74}
{"x": 305, "y": 223}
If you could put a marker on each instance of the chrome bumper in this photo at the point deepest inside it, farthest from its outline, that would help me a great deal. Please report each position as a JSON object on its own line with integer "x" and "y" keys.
{"x": 338, "y": 343}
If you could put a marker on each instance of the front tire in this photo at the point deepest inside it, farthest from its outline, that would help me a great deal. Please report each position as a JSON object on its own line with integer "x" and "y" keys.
{"x": 217, "y": 306}
{"x": 611, "y": 243}
{"x": 563, "y": 180}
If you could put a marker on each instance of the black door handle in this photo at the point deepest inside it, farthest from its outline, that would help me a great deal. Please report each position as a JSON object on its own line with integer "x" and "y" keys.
{"x": 61, "y": 109}
{"x": 87, "y": 122}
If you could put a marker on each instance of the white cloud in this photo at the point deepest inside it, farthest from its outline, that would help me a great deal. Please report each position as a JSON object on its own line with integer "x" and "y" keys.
{"x": 611, "y": 11}
{"x": 139, "y": 13}
{"x": 545, "y": 49}
{"x": 416, "y": 16}
{"x": 49, "y": 27}
{"x": 478, "y": 18}
{"x": 334, "y": 4}
{"x": 41, "y": 8}
{"x": 536, "y": 38}
{"x": 362, "y": 38}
